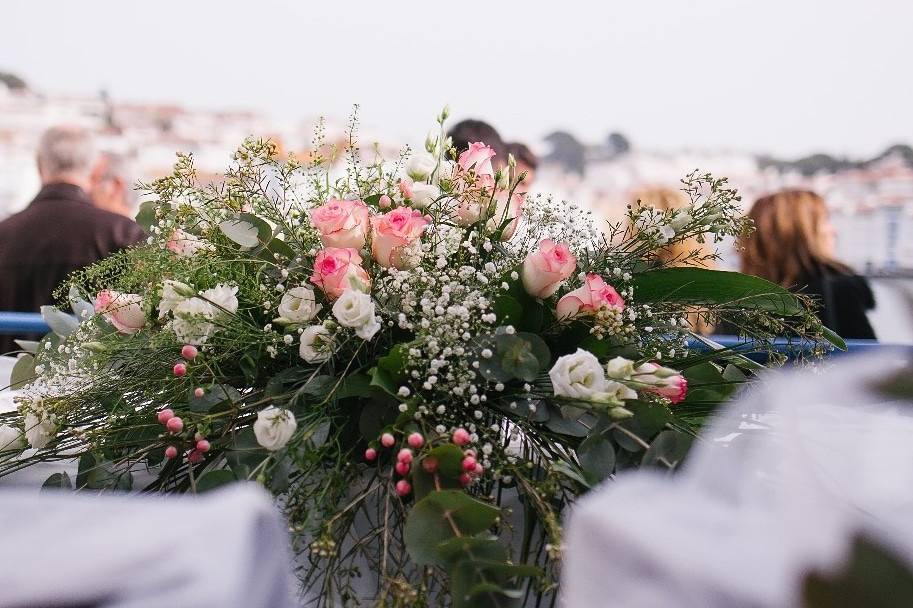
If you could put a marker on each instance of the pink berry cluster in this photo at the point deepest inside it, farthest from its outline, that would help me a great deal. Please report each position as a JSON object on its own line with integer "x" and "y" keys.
{"x": 174, "y": 425}
{"x": 406, "y": 456}
{"x": 189, "y": 352}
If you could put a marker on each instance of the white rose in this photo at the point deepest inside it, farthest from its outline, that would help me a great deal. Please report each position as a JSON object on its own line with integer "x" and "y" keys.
{"x": 11, "y": 439}
{"x": 298, "y": 305}
{"x": 122, "y": 310}
{"x": 579, "y": 376}
{"x": 224, "y": 297}
{"x": 356, "y": 310}
{"x": 316, "y": 344}
{"x": 40, "y": 428}
{"x": 424, "y": 194}
{"x": 620, "y": 368}
{"x": 274, "y": 427}
{"x": 421, "y": 165}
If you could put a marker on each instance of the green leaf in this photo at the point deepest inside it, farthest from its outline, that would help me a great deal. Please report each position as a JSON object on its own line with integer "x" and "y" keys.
{"x": 394, "y": 362}
{"x": 146, "y": 215}
{"x": 215, "y": 395}
{"x": 649, "y": 419}
{"x": 597, "y": 457}
{"x": 23, "y": 371}
{"x": 668, "y": 449}
{"x": 245, "y": 454}
{"x": 383, "y": 380}
{"x": 243, "y": 232}
{"x": 59, "y": 481}
{"x": 431, "y": 521}
{"x": 211, "y": 480}
{"x": 706, "y": 383}
{"x": 29, "y": 346}
{"x": 481, "y": 583}
{"x": 60, "y": 323}
{"x": 831, "y": 336}
{"x": 508, "y": 309}
{"x": 248, "y": 367}
{"x": 703, "y": 287}
{"x": 485, "y": 547}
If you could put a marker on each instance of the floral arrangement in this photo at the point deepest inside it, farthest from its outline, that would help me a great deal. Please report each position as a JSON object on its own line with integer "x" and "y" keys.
{"x": 400, "y": 350}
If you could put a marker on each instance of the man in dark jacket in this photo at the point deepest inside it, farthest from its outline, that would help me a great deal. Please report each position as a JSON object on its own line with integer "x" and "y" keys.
{"x": 61, "y": 230}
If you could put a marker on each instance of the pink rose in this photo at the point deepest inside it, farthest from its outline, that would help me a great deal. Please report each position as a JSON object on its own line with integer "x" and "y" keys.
{"x": 186, "y": 244}
{"x": 405, "y": 187}
{"x": 546, "y": 268}
{"x": 663, "y": 381}
{"x": 394, "y": 234}
{"x": 122, "y": 310}
{"x": 586, "y": 300}
{"x": 504, "y": 212}
{"x": 478, "y": 158}
{"x": 337, "y": 269}
{"x": 341, "y": 223}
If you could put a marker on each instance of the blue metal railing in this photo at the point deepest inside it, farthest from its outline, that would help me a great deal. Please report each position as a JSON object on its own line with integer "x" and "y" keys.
{"x": 22, "y": 323}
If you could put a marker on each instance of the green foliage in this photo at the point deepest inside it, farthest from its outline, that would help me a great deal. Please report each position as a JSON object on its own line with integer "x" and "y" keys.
{"x": 441, "y": 516}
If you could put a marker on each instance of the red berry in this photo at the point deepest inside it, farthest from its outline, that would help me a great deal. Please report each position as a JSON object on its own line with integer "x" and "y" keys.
{"x": 429, "y": 464}
{"x": 465, "y": 479}
{"x": 469, "y": 464}
{"x": 180, "y": 370}
{"x": 403, "y": 487}
{"x": 416, "y": 440}
{"x": 404, "y": 455}
{"x": 189, "y": 352}
{"x": 387, "y": 440}
{"x": 402, "y": 468}
{"x": 194, "y": 456}
{"x": 174, "y": 425}
{"x": 461, "y": 436}
{"x": 165, "y": 415}
{"x": 171, "y": 452}
{"x": 203, "y": 446}
{"x": 370, "y": 454}
{"x": 198, "y": 392}
{"x": 478, "y": 470}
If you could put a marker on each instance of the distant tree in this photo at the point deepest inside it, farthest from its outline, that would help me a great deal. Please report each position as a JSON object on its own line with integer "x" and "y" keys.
{"x": 617, "y": 144}
{"x": 567, "y": 152}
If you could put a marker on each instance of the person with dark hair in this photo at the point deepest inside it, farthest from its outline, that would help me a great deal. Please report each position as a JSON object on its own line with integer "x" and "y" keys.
{"x": 469, "y": 131}
{"x": 793, "y": 245}
{"x": 527, "y": 161}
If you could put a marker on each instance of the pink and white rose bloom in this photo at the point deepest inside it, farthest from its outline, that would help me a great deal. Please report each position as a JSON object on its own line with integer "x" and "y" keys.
{"x": 663, "y": 381}
{"x": 337, "y": 269}
{"x": 341, "y": 223}
{"x": 186, "y": 244}
{"x": 122, "y": 310}
{"x": 546, "y": 268}
{"x": 594, "y": 294}
{"x": 478, "y": 158}
{"x": 394, "y": 234}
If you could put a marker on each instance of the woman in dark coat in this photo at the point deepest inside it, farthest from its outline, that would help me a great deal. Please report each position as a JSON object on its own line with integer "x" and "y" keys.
{"x": 793, "y": 245}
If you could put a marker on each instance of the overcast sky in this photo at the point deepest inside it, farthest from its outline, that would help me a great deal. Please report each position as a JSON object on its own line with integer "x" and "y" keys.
{"x": 784, "y": 76}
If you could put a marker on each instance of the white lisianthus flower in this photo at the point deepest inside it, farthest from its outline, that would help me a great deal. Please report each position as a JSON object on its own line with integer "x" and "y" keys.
{"x": 299, "y": 305}
{"x": 356, "y": 310}
{"x": 614, "y": 393}
{"x": 316, "y": 344}
{"x": 40, "y": 426}
{"x": 424, "y": 194}
{"x": 223, "y": 297}
{"x": 620, "y": 368}
{"x": 420, "y": 166}
{"x": 192, "y": 322}
{"x": 274, "y": 427}
{"x": 11, "y": 439}
{"x": 578, "y": 376}
{"x": 173, "y": 293}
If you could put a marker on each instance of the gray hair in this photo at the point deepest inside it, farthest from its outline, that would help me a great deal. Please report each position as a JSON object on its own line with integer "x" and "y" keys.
{"x": 119, "y": 166}
{"x": 66, "y": 149}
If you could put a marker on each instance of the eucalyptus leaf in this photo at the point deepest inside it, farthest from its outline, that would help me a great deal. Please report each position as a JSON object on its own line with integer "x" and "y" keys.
{"x": 60, "y": 323}
{"x": 23, "y": 371}
{"x": 668, "y": 449}
{"x": 29, "y": 346}
{"x": 210, "y": 480}
{"x": 431, "y": 521}
{"x": 60, "y": 481}
{"x": 241, "y": 232}
{"x": 597, "y": 456}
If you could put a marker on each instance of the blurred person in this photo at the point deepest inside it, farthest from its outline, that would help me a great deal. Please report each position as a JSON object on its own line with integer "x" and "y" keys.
{"x": 793, "y": 245}
{"x": 527, "y": 162}
{"x": 61, "y": 230}
{"x": 688, "y": 252}
{"x": 471, "y": 130}
{"x": 112, "y": 188}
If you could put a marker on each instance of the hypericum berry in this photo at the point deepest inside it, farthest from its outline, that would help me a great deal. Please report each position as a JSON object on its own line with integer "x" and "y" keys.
{"x": 180, "y": 370}
{"x": 387, "y": 440}
{"x": 429, "y": 464}
{"x": 469, "y": 464}
{"x": 403, "y": 487}
{"x": 370, "y": 454}
{"x": 174, "y": 425}
{"x": 384, "y": 202}
{"x": 402, "y": 468}
{"x": 469, "y": 452}
{"x": 478, "y": 470}
{"x": 171, "y": 452}
{"x": 203, "y": 446}
{"x": 165, "y": 415}
{"x": 404, "y": 455}
{"x": 189, "y": 352}
{"x": 461, "y": 436}
{"x": 194, "y": 456}
{"x": 465, "y": 479}
{"x": 198, "y": 392}
{"x": 415, "y": 440}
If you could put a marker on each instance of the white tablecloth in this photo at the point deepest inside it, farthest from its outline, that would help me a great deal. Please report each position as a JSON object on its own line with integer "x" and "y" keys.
{"x": 748, "y": 516}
